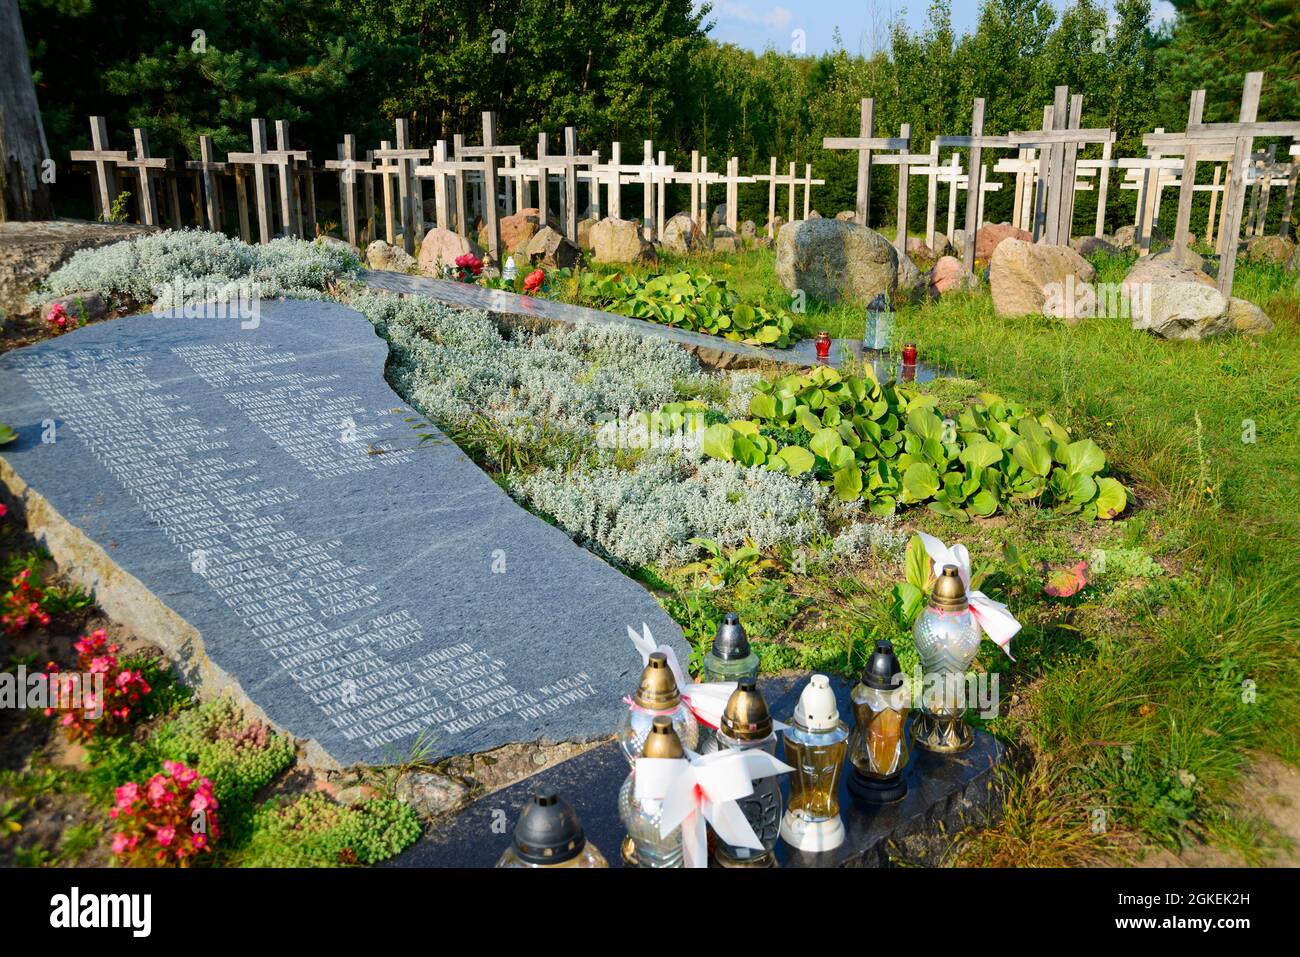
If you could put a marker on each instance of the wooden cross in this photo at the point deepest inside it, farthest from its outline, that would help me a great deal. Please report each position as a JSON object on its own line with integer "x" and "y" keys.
{"x": 977, "y": 142}
{"x": 808, "y": 183}
{"x": 902, "y": 159}
{"x": 647, "y": 174}
{"x": 489, "y": 154}
{"x": 209, "y": 169}
{"x": 593, "y": 177}
{"x": 699, "y": 177}
{"x": 145, "y": 165}
{"x": 773, "y": 180}
{"x": 1059, "y": 139}
{"x": 439, "y": 170}
{"x": 733, "y": 179}
{"x": 105, "y": 161}
{"x": 262, "y": 160}
{"x": 1243, "y": 133}
{"x": 567, "y": 163}
{"x": 348, "y": 167}
{"x": 410, "y": 202}
{"x": 864, "y": 143}
{"x": 1291, "y": 181}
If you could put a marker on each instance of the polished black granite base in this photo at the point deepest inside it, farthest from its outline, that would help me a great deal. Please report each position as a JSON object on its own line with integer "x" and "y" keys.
{"x": 944, "y": 795}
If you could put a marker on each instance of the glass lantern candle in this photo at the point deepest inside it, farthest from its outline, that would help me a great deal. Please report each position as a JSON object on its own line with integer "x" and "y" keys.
{"x": 879, "y": 329}
{"x": 746, "y": 723}
{"x": 657, "y": 694}
{"x": 823, "y": 347}
{"x": 815, "y": 744}
{"x": 644, "y": 845}
{"x": 878, "y": 749}
{"x": 947, "y": 638}
{"x": 907, "y": 373}
{"x": 731, "y": 657}
{"x": 549, "y": 834}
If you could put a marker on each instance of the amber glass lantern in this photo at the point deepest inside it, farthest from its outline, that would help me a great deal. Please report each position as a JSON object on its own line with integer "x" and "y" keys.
{"x": 947, "y": 639}
{"x": 656, "y": 694}
{"x": 815, "y": 743}
{"x": 878, "y": 748}
{"x": 549, "y": 834}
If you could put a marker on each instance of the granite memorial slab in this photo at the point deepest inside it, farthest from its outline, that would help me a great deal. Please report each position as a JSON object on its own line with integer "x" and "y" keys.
{"x": 254, "y": 497}
{"x": 945, "y": 794}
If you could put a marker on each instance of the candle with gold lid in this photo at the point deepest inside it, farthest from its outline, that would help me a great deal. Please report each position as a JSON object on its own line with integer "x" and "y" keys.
{"x": 815, "y": 744}
{"x": 644, "y": 845}
{"x": 549, "y": 834}
{"x": 656, "y": 694}
{"x": 746, "y": 723}
{"x": 947, "y": 638}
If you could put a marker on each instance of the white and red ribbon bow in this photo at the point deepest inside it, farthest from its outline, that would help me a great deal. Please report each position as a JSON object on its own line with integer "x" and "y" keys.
{"x": 706, "y": 699}
{"x": 697, "y": 790}
{"x": 993, "y": 616}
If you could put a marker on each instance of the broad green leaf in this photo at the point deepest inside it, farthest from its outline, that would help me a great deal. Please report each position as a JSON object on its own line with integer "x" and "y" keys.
{"x": 1111, "y": 498}
{"x": 719, "y": 441}
{"x": 981, "y": 454}
{"x": 763, "y": 406}
{"x": 1084, "y": 457}
{"x": 806, "y": 419}
{"x": 1032, "y": 457}
{"x": 920, "y": 482}
{"x": 848, "y": 483}
{"x": 824, "y": 442}
{"x": 799, "y": 460}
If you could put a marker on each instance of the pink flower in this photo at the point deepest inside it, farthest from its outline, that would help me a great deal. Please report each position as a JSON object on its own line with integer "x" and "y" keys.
{"x": 121, "y": 843}
{"x": 166, "y": 834}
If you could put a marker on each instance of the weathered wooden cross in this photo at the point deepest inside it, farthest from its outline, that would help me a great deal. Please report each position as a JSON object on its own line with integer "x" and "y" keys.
{"x": 210, "y": 171}
{"x": 410, "y": 201}
{"x": 145, "y": 167}
{"x": 865, "y": 142}
{"x": 349, "y": 168}
{"x": 567, "y": 163}
{"x": 903, "y": 159}
{"x": 774, "y": 180}
{"x": 489, "y": 155}
{"x": 262, "y": 160}
{"x": 977, "y": 142}
{"x": 105, "y": 161}
{"x": 732, "y": 180}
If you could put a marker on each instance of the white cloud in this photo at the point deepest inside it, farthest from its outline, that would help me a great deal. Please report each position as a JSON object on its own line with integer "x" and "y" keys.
{"x": 775, "y": 18}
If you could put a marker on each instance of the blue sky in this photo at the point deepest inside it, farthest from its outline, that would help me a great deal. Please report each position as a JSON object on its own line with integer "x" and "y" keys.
{"x": 863, "y": 24}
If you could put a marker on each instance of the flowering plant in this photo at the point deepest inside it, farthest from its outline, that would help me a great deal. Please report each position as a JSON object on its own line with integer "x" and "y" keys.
{"x": 59, "y": 320}
{"x": 169, "y": 820}
{"x": 23, "y": 602}
{"x": 533, "y": 281}
{"x": 84, "y": 715}
{"x": 468, "y": 267}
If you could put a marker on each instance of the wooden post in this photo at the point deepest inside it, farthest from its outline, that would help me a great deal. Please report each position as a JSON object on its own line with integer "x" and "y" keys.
{"x": 1214, "y": 201}
{"x": 1186, "y": 191}
{"x": 1235, "y": 201}
{"x": 571, "y": 184}
{"x": 932, "y": 194}
{"x": 771, "y": 200}
{"x": 972, "y": 192}
{"x": 1102, "y": 190}
{"x": 900, "y": 242}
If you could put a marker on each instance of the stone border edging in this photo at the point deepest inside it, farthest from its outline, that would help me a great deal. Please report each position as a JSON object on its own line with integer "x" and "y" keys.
{"x": 712, "y": 351}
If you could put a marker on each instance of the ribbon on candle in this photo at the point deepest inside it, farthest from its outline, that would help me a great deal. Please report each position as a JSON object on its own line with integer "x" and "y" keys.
{"x": 707, "y": 700}
{"x": 993, "y": 616}
{"x": 697, "y": 790}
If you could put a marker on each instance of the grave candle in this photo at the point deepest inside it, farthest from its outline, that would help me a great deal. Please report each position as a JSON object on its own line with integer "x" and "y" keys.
{"x": 657, "y": 694}
{"x": 823, "y": 345}
{"x": 730, "y": 658}
{"x": 879, "y": 325}
{"x": 908, "y": 373}
{"x": 947, "y": 638}
{"x": 645, "y": 845}
{"x": 878, "y": 749}
{"x": 746, "y": 724}
{"x": 815, "y": 743}
{"x": 549, "y": 834}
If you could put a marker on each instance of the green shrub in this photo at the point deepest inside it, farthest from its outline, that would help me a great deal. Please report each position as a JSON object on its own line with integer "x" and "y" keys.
{"x": 887, "y": 446}
{"x": 313, "y": 831}
{"x": 238, "y": 756}
{"x": 696, "y": 302}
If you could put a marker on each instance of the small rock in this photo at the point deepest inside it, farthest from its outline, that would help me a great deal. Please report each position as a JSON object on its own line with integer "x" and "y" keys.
{"x": 910, "y": 285}
{"x": 81, "y": 306}
{"x": 1184, "y": 310}
{"x": 430, "y": 794}
{"x": 951, "y": 275}
{"x": 680, "y": 235}
{"x": 813, "y": 214}
{"x": 1024, "y": 277}
{"x": 441, "y": 247}
{"x": 725, "y": 241}
{"x": 847, "y": 215}
{"x": 719, "y": 217}
{"x": 1247, "y": 318}
{"x": 551, "y": 249}
{"x": 990, "y": 237}
{"x": 1126, "y": 238}
{"x": 620, "y": 241}
{"x": 584, "y": 232}
{"x": 1093, "y": 245}
{"x": 1273, "y": 250}
{"x": 748, "y": 230}
{"x": 832, "y": 260}
{"x": 380, "y": 255}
